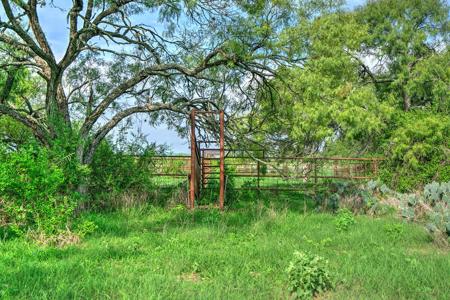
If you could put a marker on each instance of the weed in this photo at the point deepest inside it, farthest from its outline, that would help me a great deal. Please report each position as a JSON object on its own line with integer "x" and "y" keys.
{"x": 308, "y": 275}
{"x": 344, "y": 219}
{"x": 394, "y": 231}
{"x": 85, "y": 228}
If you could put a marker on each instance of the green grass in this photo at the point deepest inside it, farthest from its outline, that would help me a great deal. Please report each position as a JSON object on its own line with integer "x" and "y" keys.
{"x": 154, "y": 253}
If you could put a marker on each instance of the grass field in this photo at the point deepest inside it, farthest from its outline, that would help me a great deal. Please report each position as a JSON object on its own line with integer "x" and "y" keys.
{"x": 155, "y": 253}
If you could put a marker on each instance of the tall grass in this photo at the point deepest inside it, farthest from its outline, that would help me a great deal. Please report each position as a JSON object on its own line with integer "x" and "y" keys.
{"x": 156, "y": 253}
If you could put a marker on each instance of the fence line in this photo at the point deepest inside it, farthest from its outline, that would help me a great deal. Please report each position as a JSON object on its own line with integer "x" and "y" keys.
{"x": 281, "y": 173}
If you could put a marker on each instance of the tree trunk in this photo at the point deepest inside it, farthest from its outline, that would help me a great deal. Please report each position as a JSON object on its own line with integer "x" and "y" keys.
{"x": 82, "y": 187}
{"x": 406, "y": 101}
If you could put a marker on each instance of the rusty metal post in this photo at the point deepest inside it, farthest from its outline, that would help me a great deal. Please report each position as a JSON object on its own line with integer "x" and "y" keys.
{"x": 315, "y": 179}
{"x": 259, "y": 173}
{"x": 222, "y": 159}
{"x": 258, "y": 166}
{"x": 203, "y": 169}
{"x": 193, "y": 159}
{"x": 315, "y": 171}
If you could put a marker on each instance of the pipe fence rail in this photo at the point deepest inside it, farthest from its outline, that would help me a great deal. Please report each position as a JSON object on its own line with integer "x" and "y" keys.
{"x": 267, "y": 173}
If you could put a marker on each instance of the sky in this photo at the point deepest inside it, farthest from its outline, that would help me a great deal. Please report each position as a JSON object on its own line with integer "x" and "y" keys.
{"x": 54, "y": 24}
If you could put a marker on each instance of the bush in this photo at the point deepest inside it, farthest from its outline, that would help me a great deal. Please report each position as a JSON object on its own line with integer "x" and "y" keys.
{"x": 308, "y": 275}
{"x": 344, "y": 219}
{"x": 34, "y": 192}
{"x": 417, "y": 151}
{"x": 116, "y": 174}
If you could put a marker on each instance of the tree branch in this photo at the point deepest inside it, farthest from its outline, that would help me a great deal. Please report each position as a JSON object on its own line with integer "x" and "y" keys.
{"x": 161, "y": 70}
{"x": 15, "y": 25}
{"x": 41, "y": 133}
{"x": 106, "y": 128}
{"x": 37, "y": 29}
{"x": 7, "y": 87}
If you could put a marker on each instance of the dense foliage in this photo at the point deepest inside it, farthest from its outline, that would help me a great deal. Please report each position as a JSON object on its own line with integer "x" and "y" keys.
{"x": 36, "y": 190}
{"x": 294, "y": 77}
{"x": 418, "y": 150}
{"x": 374, "y": 81}
{"x": 118, "y": 173}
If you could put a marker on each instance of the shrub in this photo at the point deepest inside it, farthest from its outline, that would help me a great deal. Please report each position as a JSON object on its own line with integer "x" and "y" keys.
{"x": 117, "y": 174}
{"x": 34, "y": 192}
{"x": 344, "y": 219}
{"x": 417, "y": 151}
{"x": 308, "y": 275}
{"x": 248, "y": 190}
{"x": 85, "y": 228}
{"x": 231, "y": 194}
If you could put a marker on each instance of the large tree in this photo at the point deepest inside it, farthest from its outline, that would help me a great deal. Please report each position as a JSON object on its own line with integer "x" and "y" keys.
{"x": 361, "y": 66}
{"x": 407, "y": 42}
{"x": 375, "y": 82}
{"x": 125, "y": 57}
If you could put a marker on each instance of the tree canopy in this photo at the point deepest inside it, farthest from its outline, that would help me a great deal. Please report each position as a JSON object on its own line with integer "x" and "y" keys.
{"x": 374, "y": 81}
{"x": 294, "y": 76}
{"x": 117, "y": 63}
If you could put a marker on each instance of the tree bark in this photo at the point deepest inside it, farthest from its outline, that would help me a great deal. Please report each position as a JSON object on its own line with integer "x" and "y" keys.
{"x": 406, "y": 101}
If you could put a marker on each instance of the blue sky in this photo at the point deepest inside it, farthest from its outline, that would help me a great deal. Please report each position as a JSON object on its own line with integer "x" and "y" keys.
{"x": 54, "y": 24}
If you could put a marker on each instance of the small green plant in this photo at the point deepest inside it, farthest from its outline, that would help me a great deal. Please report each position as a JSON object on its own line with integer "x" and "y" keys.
{"x": 412, "y": 199}
{"x": 308, "y": 275}
{"x": 408, "y": 213}
{"x": 85, "y": 228}
{"x": 322, "y": 244}
{"x": 344, "y": 219}
{"x": 394, "y": 231}
{"x": 384, "y": 189}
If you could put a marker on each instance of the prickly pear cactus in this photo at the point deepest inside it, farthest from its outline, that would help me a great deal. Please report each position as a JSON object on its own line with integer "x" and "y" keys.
{"x": 408, "y": 213}
{"x": 445, "y": 189}
{"x": 440, "y": 218}
{"x": 372, "y": 185}
{"x": 412, "y": 199}
{"x": 446, "y": 198}
{"x": 384, "y": 189}
{"x": 432, "y": 192}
